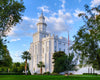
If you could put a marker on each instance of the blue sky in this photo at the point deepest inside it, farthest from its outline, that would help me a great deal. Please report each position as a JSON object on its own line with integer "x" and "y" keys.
{"x": 61, "y": 17}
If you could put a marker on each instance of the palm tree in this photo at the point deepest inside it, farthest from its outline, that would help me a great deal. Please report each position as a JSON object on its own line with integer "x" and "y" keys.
{"x": 40, "y": 65}
{"x": 26, "y": 55}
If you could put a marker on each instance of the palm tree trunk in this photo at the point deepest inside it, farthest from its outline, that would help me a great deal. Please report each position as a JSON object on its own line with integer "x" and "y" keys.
{"x": 88, "y": 70}
{"x": 41, "y": 70}
{"x": 93, "y": 70}
{"x": 26, "y": 67}
{"x": 8, "y": 70}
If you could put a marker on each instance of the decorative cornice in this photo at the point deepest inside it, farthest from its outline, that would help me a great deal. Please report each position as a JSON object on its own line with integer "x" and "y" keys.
{"x": 41, "y": 23}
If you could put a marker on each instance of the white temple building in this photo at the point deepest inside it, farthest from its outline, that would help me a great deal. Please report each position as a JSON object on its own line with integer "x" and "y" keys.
{"x": 43, "y": 46}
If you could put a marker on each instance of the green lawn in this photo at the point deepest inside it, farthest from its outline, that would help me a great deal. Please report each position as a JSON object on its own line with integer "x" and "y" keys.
{"x": 47, "y": 77}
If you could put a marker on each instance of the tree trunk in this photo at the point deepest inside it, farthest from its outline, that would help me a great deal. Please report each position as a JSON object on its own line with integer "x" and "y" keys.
{"x": 26, "y": 67}
{"x": 91, "y": 70}
{"x": 8, "y": 70}
{"x": 88, "y": 70}
{"x": 98, "y": 58}
{"x": 67, "y": 73}
{"x": 41, "y": 70}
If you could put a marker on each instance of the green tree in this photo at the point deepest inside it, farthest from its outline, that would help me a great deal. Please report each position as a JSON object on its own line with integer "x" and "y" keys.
{"x": 10, "y": 14}
{"x": 63, "y": 62}
{"x": 59, "y": 61}
{"x": 22, "y": 67}
{"x": 27, "y": 56}
{"x": 86, "y": 43}
{"x": 70, "y": 62}
{"x": 5, "y": 59}
{"x": 41, "y": 65}
{"x": 17, "y": 67}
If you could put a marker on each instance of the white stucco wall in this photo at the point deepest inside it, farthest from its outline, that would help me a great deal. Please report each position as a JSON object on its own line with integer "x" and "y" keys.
{"x": 43, "y": 46}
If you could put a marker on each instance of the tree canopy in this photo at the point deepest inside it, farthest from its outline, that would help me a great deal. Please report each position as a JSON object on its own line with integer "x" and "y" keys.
{"x": 17, "y": 67}
{"x": 63, "y": 62}
{"x": 5, "y": 59}
{"x": 87, "y": 41}
{"x": 41, "y": 65}
{"x": 10, "y": 14}
{"x": 26, "y": 56}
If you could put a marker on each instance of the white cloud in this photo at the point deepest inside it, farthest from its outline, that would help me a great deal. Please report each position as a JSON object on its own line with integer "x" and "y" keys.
{"x": 60, "y": 23}
{"x": 25, "y": 28}
{"x": 44, "y": 8}
{"x": 95, "y": 3}
{"x": 13, "y": 40}
{"x": 31, "y": 26}
{"x": 95, "y": 12}
{"x": 17, "y": 56}
{"x": 77, "y": 12}
{"x": 24, "y": 45}
{"x": 26, "y": 18}
{"x": 63, "y": 4}
{"x": 79, "y": 1}
{"x": 70, "y": 21}
{"x": 12, "y": 31}
{"x": 57, "y": 22}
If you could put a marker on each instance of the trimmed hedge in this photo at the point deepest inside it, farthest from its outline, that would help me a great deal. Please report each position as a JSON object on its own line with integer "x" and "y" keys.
{"x": 46, "y": 73}
{"x": 90, "y": 74}
{"x": 11, "y": 73}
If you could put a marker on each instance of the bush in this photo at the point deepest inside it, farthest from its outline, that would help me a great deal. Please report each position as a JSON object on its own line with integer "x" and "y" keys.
{"x": 90, "y": 74}
{"x": 11, "y": 73}
{"x": 71, "y": 74}
{"x": 3, "y": 69}
{"x": 55, "y": 73}
{"x": 29, "y": 73}
{"x": 35, "y": 73}
{"x": 46, "y": 73}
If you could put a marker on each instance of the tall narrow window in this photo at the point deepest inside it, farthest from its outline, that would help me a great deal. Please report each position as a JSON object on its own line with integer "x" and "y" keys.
{"x": 55, "y": 48}
{"x": 47, "y": 48}
{"x": 43, "y": 50}
{"x": 59, "y": 49}
{"x": 64, "y": 50}
{"x": 35, "y": 49}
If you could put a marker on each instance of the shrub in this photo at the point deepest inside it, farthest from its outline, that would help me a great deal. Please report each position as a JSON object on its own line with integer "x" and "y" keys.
{"x": 11, "y": 73}
{"x": 55, "y": 73}
{"x": 29, "y": 73}
{"x": 35, "y": 73}
{"x": 90, "y": 74}
{"x": 71, "y": 74}
{"x": 3, "y": 69}
{"x": 46, "y": 73}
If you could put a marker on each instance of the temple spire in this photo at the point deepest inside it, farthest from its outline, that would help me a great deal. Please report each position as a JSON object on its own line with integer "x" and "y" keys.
{"x": 42, "y": 12}
{"x": 41, "y": 16}
{"x": 41, "y": 23}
